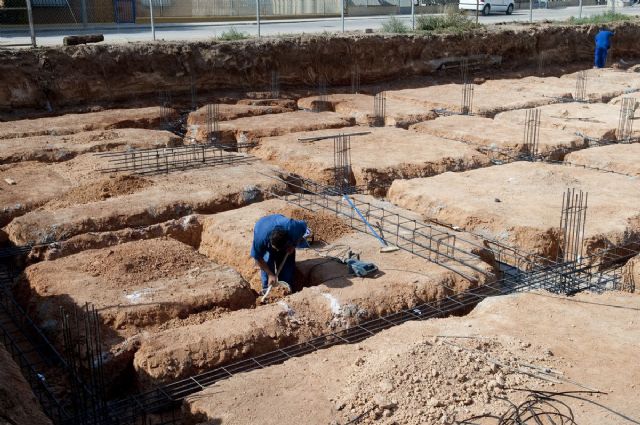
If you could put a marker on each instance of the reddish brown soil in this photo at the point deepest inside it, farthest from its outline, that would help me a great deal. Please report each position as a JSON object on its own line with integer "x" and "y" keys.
{"x": 377, "y": 158}
{"x": 100, "y": 190}
{"x": 136, "y": 285}
{"x": 197, "y": 120}
{"x": 621, "y": 158}
{"x": 74, "y": 123}
{"x": 171, "y": 196}
{"x": 446, "y": 370}
{"x": 62, "y": 148}
{"x": 506, "y": 203}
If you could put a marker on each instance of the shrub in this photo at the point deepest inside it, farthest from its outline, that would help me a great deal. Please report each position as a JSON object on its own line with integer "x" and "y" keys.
{"x": 395, "y": 25}
{"x": 233, "y": 34}
{"x": 453, "y": 20}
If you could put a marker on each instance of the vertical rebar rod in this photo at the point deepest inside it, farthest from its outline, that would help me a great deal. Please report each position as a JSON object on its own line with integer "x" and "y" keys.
{"x": 342, "y": 164}
{"x": 531, "y": 133}
{"x": 467, "y": 99}
{"x": 464, "y": 71}
{"x": 581, "y": 86}
{"x": 213, "y": 124}
{"x": 355, "y": 79}
{"x": 258, "y": 16}
{"x": 321, "y": 104}
{"x": 380, "y": 108}
{"x": 275, "y": 84}
{"x": 625, "y": 120}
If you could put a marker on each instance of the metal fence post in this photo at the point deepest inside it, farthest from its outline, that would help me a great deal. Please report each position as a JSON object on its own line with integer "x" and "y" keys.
{"x": 342, "y": 13}
{"x": 531, "y": 10}
{"x": 258, "y": 16}
{"x": 83, "y": 11}
{"x": 477, "y": 10}
{"x": 32, "y": 30}
{"x": 153, "y": 27}
{"x": 580, "y": 10}
{"x": 413, "y": 15}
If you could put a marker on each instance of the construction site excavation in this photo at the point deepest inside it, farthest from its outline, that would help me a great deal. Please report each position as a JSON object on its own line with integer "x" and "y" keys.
{"x": 456, "y": 237}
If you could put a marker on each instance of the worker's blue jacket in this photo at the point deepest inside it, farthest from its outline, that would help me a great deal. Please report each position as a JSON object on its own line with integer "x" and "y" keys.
{"x": 603, "y": 39}
{"x": 263, "y": 228}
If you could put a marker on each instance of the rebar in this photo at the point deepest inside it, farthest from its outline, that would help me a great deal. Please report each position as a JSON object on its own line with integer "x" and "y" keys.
{"x": 379, "y": 108}
{"x": 343, "y": 181}
{"x": 83, "y": 353}
{"x": 531, "y": 133}
{"x": 581, "y": 87}
{"x": 275, "y": 84}
{"x": 464, "y": 71}
{"x": 166, "y": 160}
{"x": 541, "y": 63}
{"x": 355, "y": 79}
{"x": 625, "y": 121}
{"x": 467, "y": 99}
{"x": 320, "y": 105}
{"x": 213, "y": 123}
{"x": 164, "y": 98}
{"x": 572, "y": 224}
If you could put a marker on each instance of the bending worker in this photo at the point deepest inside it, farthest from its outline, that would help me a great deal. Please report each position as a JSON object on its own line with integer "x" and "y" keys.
{"x": 275, "y": 236}
{"x": 602, "y": 46}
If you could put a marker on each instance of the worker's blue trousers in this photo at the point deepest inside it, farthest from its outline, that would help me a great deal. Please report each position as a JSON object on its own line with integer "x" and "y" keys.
{"x": 601, "y": 57}
{"x": 288, "y": 269}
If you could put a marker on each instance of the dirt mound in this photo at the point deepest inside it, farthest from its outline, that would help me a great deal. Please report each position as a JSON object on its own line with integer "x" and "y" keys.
{"x": 418, "y": 384}
{"x": 99, "y": 191}
{"x": 325, "y": 226}
{"x": 143, "y": 262}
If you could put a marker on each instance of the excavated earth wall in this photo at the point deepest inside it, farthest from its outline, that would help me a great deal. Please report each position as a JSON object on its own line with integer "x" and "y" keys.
{"x": 50, "y": 78}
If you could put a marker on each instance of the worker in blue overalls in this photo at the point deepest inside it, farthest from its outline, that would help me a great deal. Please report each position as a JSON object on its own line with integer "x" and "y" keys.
{"x": 275, "y": 236}
{"x": 603, "y": 43}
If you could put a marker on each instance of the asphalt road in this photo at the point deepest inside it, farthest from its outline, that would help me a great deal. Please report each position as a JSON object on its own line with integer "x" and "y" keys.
{"x": 192, "y": 32}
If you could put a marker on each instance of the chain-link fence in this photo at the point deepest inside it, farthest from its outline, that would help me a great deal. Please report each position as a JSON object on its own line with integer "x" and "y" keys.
{"x": 134, "y": 20}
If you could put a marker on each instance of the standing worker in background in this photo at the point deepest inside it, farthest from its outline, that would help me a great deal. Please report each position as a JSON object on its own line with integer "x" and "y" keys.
{"x": 275, "y": 236}
{"x": 602, "y": 46}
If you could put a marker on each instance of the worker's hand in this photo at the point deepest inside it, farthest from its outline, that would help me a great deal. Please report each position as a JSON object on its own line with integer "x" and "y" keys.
{"x": 272, "y": 279}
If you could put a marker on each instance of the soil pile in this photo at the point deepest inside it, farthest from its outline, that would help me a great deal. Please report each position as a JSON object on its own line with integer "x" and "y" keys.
{"x": 325, "y": 226}
{"x": 100, "y": 190}
{"x": 144, "y": 262}
{"x": 418, "y": 385}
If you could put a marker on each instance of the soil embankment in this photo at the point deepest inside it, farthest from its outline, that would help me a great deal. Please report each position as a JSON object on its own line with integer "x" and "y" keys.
{"x": 52, "y": 78}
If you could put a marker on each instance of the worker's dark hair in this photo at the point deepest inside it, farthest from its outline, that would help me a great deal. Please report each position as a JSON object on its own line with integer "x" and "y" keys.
{"x": 279, "y": 238}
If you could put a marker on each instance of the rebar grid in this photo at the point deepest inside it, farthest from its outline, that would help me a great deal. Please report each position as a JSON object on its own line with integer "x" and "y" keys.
{"x": 532, "y": 133}
{"x": 433, "y": 243}
{"x": 275, "y": 84}
{"x": 581, "y": 87}
{"x": 355, "y": 79}
{"x": 320, "y": 105}
{"x": 625, "y": 121}
{"x": 379, "y": 108}
{"x": 213, "y": 122}
{"x": 166, "y": 160}
{"x": 466, "y": 106}
{"x": 342, "y": 173}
